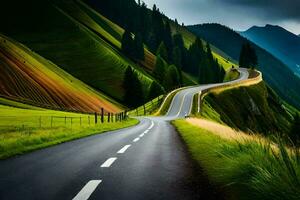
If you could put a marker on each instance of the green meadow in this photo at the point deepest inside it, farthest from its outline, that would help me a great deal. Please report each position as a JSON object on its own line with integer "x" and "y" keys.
{"x": 26, "y": 128}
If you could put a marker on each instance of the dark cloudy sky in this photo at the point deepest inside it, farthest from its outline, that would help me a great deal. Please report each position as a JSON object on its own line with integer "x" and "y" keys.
{"x": 237, "y": 14}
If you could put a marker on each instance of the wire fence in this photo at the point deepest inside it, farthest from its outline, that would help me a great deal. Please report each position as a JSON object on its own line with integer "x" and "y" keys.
{"x": 20, "y": 123}
{"x": 148, "y": 108}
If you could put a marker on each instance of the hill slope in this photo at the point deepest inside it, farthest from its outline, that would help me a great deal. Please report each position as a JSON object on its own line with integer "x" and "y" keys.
{"x": 278, "y": 41}
{"x": 86, "y": 50}
{"x": 27, "y": 77}
{"x": 254, "y": 108}
{"x": 276, "y": 74}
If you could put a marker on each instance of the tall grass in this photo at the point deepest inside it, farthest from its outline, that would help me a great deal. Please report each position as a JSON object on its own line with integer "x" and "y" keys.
{"x": 248, "y": 170}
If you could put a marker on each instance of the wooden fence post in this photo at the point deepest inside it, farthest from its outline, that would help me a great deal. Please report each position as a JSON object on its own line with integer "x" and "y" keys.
{"x": 102, "y": 115}
{"x": 112, "y": 117}
{"x": 96, "y": 120}
{"x": 108, "y": 117}
{"x": 144, "y": 109}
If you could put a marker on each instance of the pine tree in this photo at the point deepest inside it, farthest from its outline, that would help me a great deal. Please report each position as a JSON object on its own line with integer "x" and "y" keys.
{"x": 128, "y": 44}
{"x": 248, "y": 57}
{"x": 139, "y": 47}
{"x": 177, "y": 60}
{"x": 168, "y": 41}
{"x": 171, "y": 79}
{"x": 159, "y": 69}
{"x": 176, "y": 22}
{"x": 209, "y": 52}
{"x": 155, "y": 90}
{"x": 133, "y": 96}
{"x": 178, "y": 42}
{"x": 174, "y": 74}
{"x": 158, "y": 29}
{"x": 195, "y": 55}
{"x": 177, "y": 57}
{"x": 295, "y": 130}
{"x": 162, "y": 51}
{"x": 242, "y": 59}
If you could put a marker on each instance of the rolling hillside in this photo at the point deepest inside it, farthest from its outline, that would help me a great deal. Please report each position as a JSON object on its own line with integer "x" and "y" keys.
{"x": 29, "y": 78}
{"x": 74, "y": 41}
{"x": 225, "y": 60}
{"x": 283, "y": 44}
{"x": 276, "y": 74}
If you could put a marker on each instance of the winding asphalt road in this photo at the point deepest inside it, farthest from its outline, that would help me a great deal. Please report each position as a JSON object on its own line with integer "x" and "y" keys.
{"x": 147, "y": 161}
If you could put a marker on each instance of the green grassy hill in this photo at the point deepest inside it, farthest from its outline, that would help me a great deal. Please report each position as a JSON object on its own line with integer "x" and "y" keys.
{"x": 66, "y": 35}
{"x": 82, "y": 42}
{"x": 29, "y": 78}
{"x": 254, "y": 108}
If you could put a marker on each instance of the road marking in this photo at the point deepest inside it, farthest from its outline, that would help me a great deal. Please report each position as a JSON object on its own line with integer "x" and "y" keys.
{"x": 136, "y": 139}
{"x": 146, "y": 131}
{"x": 87, "y": 190}
{"x": 181, "y": 104}
{"x": 124, "y": 149}
{"x": 142, "y": 135}
{"x": 152, "y": 124}
{"x": 109, "y": 162}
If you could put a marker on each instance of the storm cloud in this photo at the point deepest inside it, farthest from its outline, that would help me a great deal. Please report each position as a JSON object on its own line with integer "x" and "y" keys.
{"x": 238, "y": 14}
{"x": 276, "y": 9}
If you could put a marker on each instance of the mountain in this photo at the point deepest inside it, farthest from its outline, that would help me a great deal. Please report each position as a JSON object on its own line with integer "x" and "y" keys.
{"x": 276, "y": 74}
{"x": 283, "y": 44}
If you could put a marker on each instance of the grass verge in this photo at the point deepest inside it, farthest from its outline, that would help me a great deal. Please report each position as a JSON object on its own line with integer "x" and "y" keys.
{"x": 19, "y": 142}
{"x": 248, "y": 170}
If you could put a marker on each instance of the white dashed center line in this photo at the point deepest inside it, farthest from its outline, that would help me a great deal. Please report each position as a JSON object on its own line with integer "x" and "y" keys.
{"x": 152, "y": 124}
{"x": 136, "y": 139}
{"x": 142, "y": 135}
{"x": 146, "y": 131}
{"x": 87, "y": 190}
{"x": 124, "y": 149}
{"x": 109, "y": 162}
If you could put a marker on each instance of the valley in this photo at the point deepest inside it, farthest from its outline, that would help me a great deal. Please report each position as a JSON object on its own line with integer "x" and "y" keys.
{"x": 114, "y": 99}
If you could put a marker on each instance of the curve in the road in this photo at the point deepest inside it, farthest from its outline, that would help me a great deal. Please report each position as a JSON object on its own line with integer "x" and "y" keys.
{"x": 182, "y": 102}
{"x": 148, "y": 161}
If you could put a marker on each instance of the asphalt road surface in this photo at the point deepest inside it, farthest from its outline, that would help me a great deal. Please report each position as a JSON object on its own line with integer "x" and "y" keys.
{"x": 147, "y": 161}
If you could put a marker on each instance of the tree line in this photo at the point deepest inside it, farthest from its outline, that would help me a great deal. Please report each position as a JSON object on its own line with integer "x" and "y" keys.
{"x": 153, "y": 29}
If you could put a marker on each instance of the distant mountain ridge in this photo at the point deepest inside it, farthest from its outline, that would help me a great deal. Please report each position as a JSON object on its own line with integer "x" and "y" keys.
{"x": 283, "y": 44}
{"x": 276, "y": 74}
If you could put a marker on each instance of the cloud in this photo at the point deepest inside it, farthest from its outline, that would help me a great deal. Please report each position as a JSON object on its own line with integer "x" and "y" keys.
{"x": 237, "y": 14}
{"x": 276, "y": 9}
